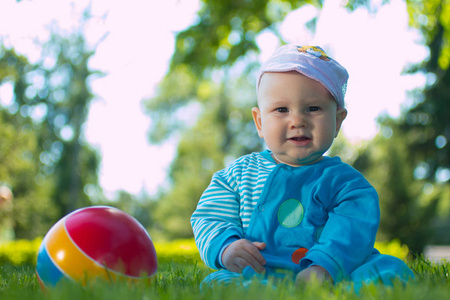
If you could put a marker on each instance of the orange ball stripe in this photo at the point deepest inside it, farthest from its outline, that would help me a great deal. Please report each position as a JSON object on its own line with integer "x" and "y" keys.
{"x": 70, "y": 259}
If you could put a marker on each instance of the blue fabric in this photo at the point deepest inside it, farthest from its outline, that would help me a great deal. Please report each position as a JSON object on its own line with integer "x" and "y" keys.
{"x": 326, "y": 209}
{"x": 338, "y": 223}
{"x": 380, "y": 268}
{"x": 377, "y": 268}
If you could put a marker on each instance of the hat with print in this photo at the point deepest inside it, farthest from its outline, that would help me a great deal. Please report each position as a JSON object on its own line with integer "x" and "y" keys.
{"x": 313, "y": 62}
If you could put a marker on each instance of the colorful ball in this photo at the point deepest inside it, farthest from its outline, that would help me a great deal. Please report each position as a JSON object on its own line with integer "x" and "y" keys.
{"x": 96, "y": 242}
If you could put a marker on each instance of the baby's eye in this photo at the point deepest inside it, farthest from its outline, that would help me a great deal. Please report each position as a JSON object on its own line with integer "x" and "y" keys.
{"x": 282, "y": 109}
{"x": 313, "y": 108}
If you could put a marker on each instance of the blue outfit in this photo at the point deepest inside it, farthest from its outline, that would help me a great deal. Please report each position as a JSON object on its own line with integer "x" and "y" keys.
{"x": 324, "y": 214}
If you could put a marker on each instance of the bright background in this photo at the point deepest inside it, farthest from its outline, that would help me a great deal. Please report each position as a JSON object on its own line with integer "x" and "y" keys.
{"x": 135, "y": 55}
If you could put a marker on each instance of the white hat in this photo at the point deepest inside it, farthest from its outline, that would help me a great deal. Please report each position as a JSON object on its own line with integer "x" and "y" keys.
{"x": 313, "y": 62}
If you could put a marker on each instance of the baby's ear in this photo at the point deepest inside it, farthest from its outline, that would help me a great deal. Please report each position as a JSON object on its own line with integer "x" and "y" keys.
{"x": 341, "y": 114}
{"x": 256, "y": 113}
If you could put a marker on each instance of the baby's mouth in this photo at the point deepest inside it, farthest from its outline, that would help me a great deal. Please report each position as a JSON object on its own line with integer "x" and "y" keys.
{"x": 300, "y": 140}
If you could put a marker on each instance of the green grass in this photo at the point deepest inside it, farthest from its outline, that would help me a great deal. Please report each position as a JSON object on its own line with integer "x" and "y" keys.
{"x": 177, "y": 280}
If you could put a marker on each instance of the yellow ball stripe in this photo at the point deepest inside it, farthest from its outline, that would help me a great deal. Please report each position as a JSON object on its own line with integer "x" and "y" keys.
{"x": 71, "y": 260}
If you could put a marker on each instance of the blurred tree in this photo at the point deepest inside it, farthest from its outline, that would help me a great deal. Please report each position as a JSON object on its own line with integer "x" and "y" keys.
{"x": 427, "y": 123}
{"x": 49, "y": 105}
{"x": 222, "y": 46}
{"x": 139, "y": 206}
{"x": 404, "y": 213}
{"x": 59, "y": 87}
{"x": 222, "y": 130}
{"x": 418, "y": 157}
{"x": 205, "y": 100}
{"x": 33, "y": 211}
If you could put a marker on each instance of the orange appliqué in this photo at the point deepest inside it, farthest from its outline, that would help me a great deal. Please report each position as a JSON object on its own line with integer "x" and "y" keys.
{"x": 298, "y": 255}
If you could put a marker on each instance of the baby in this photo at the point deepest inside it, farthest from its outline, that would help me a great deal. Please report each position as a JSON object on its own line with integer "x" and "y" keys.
{"x": 290, "y": 211}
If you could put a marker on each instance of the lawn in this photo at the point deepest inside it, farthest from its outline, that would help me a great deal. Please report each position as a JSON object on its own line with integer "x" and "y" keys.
{"x": 182, "y": 280}
{"x": 179, "y": 277}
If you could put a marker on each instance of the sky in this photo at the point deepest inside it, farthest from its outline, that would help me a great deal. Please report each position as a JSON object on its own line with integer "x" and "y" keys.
{"x": 136, "y": 52}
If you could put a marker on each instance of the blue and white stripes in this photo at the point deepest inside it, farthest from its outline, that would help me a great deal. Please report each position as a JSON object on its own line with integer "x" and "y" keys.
{"x": 228, "y": 203}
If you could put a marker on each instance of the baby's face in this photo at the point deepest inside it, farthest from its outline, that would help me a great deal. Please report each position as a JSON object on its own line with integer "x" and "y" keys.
{"x": 297, "y": 117}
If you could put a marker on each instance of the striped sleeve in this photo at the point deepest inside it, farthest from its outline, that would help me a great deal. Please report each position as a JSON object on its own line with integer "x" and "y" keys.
{"x": 225, "y": 208}
{"x": 216, "y": 219}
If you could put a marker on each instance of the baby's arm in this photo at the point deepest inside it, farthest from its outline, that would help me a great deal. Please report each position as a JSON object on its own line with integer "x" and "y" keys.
{"x": 216, "y": 221}
{"x": 348, "y": 236}
{"x": 243, "y": 253}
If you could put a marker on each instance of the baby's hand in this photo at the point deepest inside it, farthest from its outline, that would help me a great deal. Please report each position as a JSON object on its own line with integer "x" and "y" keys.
{"x": 243, "y": 253}
{"x": 317, "y": 272}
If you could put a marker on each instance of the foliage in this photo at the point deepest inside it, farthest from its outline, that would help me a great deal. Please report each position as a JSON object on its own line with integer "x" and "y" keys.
{"x": 403, "y": 214}
{"x": 231, "y": 28}
{"x": 409, "y": 211}
{"x": 394, "y": 248}
{"x": 44, "y": 156}
{"x": 208, "y": 112}
{"x": 432, "y": 18}
{"x": 420, "y": 164}
{"x": 24, "y": 252}
{"x": 180, "y": 273}
{"x": 426, "y": 124}
{"x": 19, "y": 156}
{"x": 181, "y": 281}
{"x": 211, "y": 73}
{"x": 222, "y": 130}
{"x": 64, "y": 95}
{"x": 200, "y": 65}
{"x": 20, "y": 252}
{"x": 178, "y": 251}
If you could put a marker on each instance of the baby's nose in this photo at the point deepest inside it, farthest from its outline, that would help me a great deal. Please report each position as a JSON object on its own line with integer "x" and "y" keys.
{"x": 298, "y": 120}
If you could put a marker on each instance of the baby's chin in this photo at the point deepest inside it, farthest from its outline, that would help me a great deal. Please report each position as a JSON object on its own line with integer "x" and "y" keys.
{"x": 297, "y": 162}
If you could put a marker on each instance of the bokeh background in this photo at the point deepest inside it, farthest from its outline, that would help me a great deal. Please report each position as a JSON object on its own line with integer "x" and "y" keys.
{"x": 135, "y": 104}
